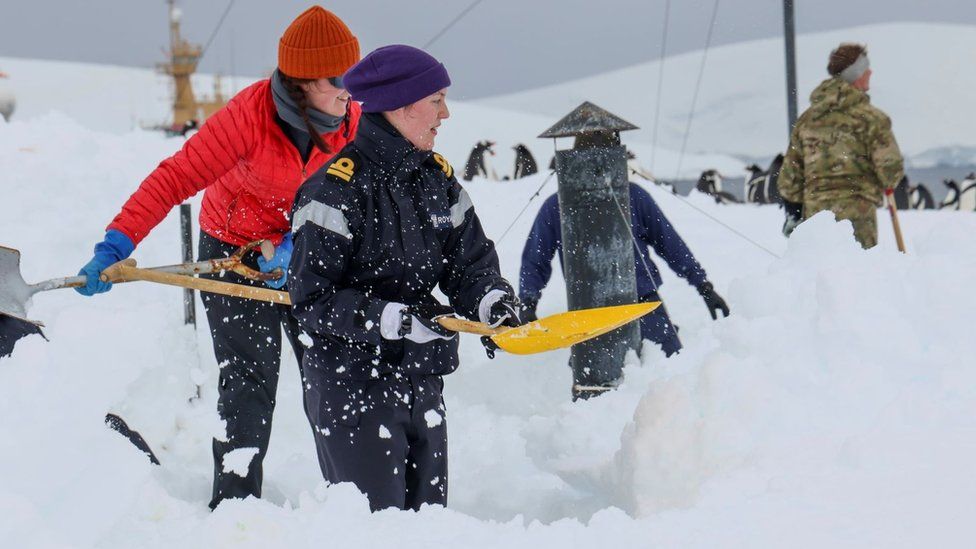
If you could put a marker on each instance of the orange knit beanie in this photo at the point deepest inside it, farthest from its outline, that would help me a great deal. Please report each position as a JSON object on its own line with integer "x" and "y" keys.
{"x": 317, "y": 44}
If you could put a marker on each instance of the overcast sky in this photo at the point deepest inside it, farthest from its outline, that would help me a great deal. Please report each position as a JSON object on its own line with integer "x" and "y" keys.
{"x": 500, "y": 46}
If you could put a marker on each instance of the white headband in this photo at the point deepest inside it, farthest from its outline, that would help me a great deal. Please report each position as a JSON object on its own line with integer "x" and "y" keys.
{"x": 856, "y": 70}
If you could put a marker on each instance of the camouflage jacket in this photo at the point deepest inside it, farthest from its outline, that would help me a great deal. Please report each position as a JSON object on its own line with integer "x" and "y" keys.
{"x": 841, "y": 148}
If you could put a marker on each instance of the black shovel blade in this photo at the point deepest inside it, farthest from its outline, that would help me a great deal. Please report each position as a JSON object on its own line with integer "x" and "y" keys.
{"x": 119, "y": 425}
{"x": 12, "y": 329}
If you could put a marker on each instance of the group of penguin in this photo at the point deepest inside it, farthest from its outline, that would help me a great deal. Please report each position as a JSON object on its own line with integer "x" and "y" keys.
{"x": 479, "y": 165}
{"x": 761, "y": 188}
{"x": 761, "y": 185}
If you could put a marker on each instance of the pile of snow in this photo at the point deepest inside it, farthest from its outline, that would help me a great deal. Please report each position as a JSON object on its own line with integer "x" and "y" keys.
{"x": 833, "y": 408}
{"x": 921, "y": 78}
{"x": 837, "y": 392}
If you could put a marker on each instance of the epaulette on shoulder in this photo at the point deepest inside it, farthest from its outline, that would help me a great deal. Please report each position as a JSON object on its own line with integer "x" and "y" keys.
{"x": 444, "y": 165}
{"x": 343, "y": 166}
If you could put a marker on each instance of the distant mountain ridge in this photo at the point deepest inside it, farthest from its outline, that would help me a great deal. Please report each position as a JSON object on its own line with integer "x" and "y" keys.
{"x": 923, "y": 79}
{"x": 116, "y": 99}
{"x": 955, "y": 156}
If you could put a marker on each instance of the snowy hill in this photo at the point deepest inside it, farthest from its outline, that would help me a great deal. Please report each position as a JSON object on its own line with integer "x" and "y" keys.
{"x": 119, "y": 99}
{"x": 100, "y": 97}
{"x": 922, "y": 78}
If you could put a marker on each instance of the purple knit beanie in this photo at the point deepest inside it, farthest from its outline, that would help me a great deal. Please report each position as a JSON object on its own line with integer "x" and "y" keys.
{"x": 395, "y": 76}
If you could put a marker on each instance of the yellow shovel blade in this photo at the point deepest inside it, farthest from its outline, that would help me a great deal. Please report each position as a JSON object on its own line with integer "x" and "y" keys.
{"x": 565, "y": 329}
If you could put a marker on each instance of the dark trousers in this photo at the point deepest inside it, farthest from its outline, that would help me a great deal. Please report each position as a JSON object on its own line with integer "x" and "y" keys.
{"x": 247, "y": 343}
{"x": 387, "y": 436}
{"x": 657, "y": 327}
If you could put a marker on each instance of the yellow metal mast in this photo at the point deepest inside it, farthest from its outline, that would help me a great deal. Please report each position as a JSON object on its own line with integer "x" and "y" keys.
{"x": 183, "y": 59}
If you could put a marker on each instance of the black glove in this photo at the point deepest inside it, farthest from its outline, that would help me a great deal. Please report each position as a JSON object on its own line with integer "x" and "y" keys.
{"x": 505, "y": 312}
{"x": 418, "y": 323}
{"x": 713, "y": 301}
{"x": 490, "y": 346}
{"x": 794, "y": 215}
{"x": 528, "y": 310}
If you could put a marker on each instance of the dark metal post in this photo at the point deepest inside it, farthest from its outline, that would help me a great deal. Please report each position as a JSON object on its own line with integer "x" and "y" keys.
{"x": 790, "y": 37}
{"x": 186, "y": 237}
{"x": 598, "y": 251}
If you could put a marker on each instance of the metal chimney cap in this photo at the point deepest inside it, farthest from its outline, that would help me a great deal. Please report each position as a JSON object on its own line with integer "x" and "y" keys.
{"x": 588, "y": 118}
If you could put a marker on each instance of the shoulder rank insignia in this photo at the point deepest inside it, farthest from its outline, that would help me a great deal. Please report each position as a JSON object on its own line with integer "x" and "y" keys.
{"x": 342, "y": 168}
{"x": 445, "y": 166}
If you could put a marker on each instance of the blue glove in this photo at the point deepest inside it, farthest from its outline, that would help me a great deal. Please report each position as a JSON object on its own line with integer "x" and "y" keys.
{"x": 110, "y": 251}
{"x": 281, "y": 259}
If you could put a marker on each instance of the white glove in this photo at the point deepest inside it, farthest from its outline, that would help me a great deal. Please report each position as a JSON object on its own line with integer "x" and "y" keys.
{"x": 499, "y": 307}
{"x": 417, "y": 324}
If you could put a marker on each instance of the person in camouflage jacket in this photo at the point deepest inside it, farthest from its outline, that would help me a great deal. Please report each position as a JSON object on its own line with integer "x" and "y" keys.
{"x": 842, "y": 153}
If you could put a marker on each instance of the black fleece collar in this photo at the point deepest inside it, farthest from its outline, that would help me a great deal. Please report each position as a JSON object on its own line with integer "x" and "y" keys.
{"x": 385, "y": 145}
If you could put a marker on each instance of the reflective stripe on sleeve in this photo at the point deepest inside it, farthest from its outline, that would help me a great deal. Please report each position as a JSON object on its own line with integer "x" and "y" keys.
{"x": 460, "y": 208}
{"x": 324, "y": 216}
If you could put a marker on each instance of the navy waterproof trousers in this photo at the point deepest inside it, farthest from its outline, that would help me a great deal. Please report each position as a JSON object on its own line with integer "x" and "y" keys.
{"x": 247, "y": 343}
{"x": 387, "y": 436}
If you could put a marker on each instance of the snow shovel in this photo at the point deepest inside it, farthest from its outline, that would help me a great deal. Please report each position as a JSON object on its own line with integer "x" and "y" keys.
{"x": 556, "y": 331}
{"x": 15, "y": 293}
{"x": 546, "y": 334}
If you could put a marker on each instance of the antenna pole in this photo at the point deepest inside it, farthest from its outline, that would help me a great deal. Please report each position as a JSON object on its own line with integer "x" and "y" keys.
{"x": 174, "y": 25}
{"x": 789, "y": 34}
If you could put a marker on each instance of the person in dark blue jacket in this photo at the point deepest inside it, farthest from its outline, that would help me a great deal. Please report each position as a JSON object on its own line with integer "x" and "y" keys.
{"x": 375, "y": 231}
{"x": 651, "y": 230}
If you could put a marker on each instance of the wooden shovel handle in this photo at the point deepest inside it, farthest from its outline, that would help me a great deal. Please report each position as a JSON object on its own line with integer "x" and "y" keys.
{"x": 469, "y": 326}
{"x": 126, "y": 270}
{"x": 899, "y": 240}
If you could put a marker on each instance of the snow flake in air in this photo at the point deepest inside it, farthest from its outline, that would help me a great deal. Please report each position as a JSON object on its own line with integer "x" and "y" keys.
{"x": 384, "y": 432}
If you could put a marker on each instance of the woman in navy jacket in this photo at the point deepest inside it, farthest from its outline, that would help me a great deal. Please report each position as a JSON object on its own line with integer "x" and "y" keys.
{"x": 375, "y": 231}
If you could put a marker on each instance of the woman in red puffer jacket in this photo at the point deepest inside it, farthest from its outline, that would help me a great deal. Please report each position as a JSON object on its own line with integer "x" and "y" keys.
{"x": 249, "y": 158}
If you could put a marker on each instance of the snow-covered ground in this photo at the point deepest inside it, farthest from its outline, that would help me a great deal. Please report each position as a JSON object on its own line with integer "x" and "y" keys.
{"x": 833, "y": 408}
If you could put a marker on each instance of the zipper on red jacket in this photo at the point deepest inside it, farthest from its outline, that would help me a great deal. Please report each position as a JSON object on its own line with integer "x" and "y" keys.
{"x": 304, "y": 165}
{"x": 315, "y": 150}
{"x": 298, "y": 154}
